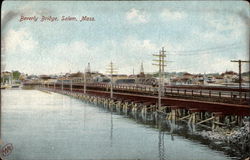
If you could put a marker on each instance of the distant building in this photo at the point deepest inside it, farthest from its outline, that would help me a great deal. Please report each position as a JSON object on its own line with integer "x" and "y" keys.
{"x": 22, "y": 77}
{"x": 218, "y": 79}
{"x": 246, "y": 79}
{"x": 145, "y": 79}
{"x": 229, "y": 76}
{"x": 42, "y": 77}
{"x": 175, "y": 81}
{"x": 187, "y": 78}
{"x": 6, "y": 77}
{"x": 199, "y": 79}
{"x": 125, "y": 81}
{"x": 76, "y": 77}
{"x": 119, "y": 79}
{"x": 91, "y": 77}
{"x": 101, "y": 78}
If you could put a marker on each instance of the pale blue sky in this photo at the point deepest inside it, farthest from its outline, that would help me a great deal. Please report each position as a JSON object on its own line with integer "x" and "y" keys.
{"x": 209, "y": 34}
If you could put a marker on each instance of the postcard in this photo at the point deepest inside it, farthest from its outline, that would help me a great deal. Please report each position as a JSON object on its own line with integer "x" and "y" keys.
{"x": 125, "y": 80}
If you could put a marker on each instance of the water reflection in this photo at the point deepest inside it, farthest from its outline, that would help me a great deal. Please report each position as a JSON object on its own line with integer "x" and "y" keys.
{"x": 172, "y": 137}
{"x": 172, "y": 127}
{"x": 84, "y": 117}
{"x": 191, "y": 127}
{"x": 111, "y": 128}
{"x": 85, "y": 131}
{"x": 161, "y": 145}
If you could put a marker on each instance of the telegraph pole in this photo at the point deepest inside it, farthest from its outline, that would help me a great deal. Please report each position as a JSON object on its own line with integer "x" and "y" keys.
{"x": 85, "y": 82}
{"x": 62, "y": 84}
{"x": 111, "y": 70}
{"x": 163, "y": 64}
{"x": 160, "y": 62}
{"x": 11, "y": 76}
{"x": 240, "y": 79}
{"x": 71, "y": 85}
{"x": 86, "y": 70}
{"x": 3, "y": 79}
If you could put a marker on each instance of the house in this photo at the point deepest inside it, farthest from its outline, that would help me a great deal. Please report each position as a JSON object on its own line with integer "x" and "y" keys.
{"x": 175, "y": 81}
{"x": 198, "y": 79}
{"x": 101, "y": 78}
{"x": 218, "y": 79}
{"x": 79, "y": 77}
{"x": 6, "y": 77}
{"x": 229, "y": 76}
{"x": 246, "y": 79}
{"x": 211, "y": 79}
{"x": 187, "y": 78}
{"x": 76, "y": 77}
{"x": 22, "y": 77}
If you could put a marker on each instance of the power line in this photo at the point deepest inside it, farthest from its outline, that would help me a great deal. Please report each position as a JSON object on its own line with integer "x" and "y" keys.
{"x": 194, "y": 52}
{"x": 211, "y": 48}
{"x": 85, "y": 81}
{"x": 239, "y": 62}
{"x": 111, "y": 70}
{"x": 161, "y": 64}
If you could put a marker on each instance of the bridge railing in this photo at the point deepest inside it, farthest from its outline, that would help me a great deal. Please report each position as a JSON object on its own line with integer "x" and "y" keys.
{"x": 168, "y": 90}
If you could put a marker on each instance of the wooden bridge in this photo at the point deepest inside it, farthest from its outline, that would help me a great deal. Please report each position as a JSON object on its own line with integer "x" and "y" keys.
{"x": 211, "y": 99}
{"x": 195, "y": 104}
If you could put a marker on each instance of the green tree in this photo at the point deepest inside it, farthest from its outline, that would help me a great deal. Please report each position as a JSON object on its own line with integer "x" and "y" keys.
{"x": 16, "y": 75}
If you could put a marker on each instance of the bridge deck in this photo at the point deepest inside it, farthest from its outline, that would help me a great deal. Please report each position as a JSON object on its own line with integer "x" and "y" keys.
{"x": 146, "y": 95}
{"x": 226, "y": 109}
{"x": 202, "y": 93}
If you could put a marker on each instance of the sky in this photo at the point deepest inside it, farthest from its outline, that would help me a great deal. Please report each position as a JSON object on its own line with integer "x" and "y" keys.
{"x": 198, "y": 36}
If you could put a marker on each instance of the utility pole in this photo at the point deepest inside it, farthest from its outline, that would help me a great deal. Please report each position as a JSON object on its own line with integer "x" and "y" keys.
{"x": 71, "y": 85}
{"x": 142, "y": 69}
{"x": 3, "y": 80}
{"x": 86, "y": 71}
{"x": 85, "y": 82}
{"x": 11, "y": 78}
{"x": 240, "y": 79}
{"x": 88, "y": 68}
{"x": 160, "y": 62}
{"x": 62, "y": 84}
{"x": 111, "y": 70}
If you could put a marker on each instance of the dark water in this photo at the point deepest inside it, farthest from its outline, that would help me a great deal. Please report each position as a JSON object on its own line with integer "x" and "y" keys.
{"x": 54, "y": 126}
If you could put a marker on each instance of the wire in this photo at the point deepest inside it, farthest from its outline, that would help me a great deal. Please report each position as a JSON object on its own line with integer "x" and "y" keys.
{"x": 196, "y": 52}
{"x": 213, "y": 48}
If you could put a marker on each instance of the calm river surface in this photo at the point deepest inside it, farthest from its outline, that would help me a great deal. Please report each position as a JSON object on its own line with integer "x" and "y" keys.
{"x": 53, "y": 126}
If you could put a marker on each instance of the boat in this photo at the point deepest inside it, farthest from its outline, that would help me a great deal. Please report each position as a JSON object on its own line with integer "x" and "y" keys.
{"x": 3, "y": 87}
{"x": 15, "y": 85}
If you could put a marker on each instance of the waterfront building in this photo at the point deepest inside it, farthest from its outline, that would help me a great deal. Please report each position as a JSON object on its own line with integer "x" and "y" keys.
{"x": 229, "y": 76}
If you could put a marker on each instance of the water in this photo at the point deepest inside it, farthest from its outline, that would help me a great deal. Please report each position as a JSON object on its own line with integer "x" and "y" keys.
{"x": 54, "y": 126}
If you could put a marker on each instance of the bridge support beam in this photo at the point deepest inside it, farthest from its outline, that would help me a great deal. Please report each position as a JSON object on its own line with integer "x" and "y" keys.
{"x": 193, "y": 115}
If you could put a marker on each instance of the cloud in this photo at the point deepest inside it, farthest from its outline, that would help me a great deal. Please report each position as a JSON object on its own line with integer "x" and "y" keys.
{"x": 74, "y": 48}
{"x": 31, "y": 8}
{"x": 133, "y": 43}
{"x": 19, "y": 41}
{"x": 136, "y": 16}
{"x": 6, "y": 17}
{"x": 126, "y": 55}
{"x": 170, "y": 15}
{"x": 223, "y": 28}
{"x": 68, "y": 56}
{"x": 209, "y": 63}
{"x": 26, "y": 10}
